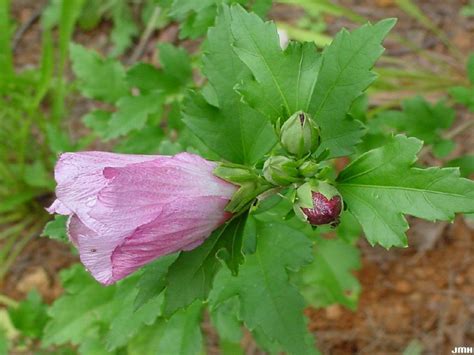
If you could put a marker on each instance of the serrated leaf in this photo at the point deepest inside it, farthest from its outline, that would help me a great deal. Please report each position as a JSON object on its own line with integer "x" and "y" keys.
{"x": 268, "y": 301}
{"x": 56, "y": 229}
{"x": 133, "y": 112}
{"x": 329, "y": 279}
{"x": 225, "y": 320}
{"x": 124, "y": 28}
{"x": 88, "y": 309}
{"x": 99, "y": 78}
{"x": 180, "y": 335}
{"x": 420, "y": 119}
{"x": 153, "y": 280}
{"x": 30, "y": 316}
{"x": 231, "y": 251}
{"x": 97, "y": 121}
{"x": 285, "y": 80}
{"x": 345, "y": 73}
{"x": 233, "y": 130}
{"x": 128, "y": 321}
{"x": 463, "y": 95}
{"x": 191, "y": 276}
{"x": 145, "y": 141}
{"x": 176, "y": 63}
{"x": 79, "y": 311}
{"x": 175, "y": 72}
{"x": 381, "y": 186}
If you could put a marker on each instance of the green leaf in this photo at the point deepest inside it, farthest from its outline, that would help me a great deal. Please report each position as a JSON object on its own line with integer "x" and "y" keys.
{"x": 98, "y": 121}
{"x": 345, "y": 73}
{"x": 470, "y": 68}
{"x": 180, "y": 335}
{"x": 145, "y": 141}
{"x": 124, "y": 29}
{"x": 465, "y": 164}
{"x": 99, "y": 78}
{"x": 153, "y": 279}
{"x": 233, "y": 130}
{"x": 420, "y": 119}
{"x": 176, "y": 63}
{"x": 56, "y": 229}
{"x": 88, "y": 309}
{"x": 3, "y": 342}
{"x": 225, "y": 319}
{"x": 79, "y": 311}
{"x": 463, "y": 95}
{"x": 6, "y": 53}
{"x": 231, "y": 251}
{"x": 381, "y": 186}
{"x": 190, "y": 277}
{"x": 36, "y": 175}
{"x": 175, "y": 72}
{"x": 127, "y": 321}
{"x": 145, "y": 77}
{"x": 58, "y": 140}
{"x": 329, "y": 279}
{"x": 443, "y": 148}
{"x": 349, "y": 229}
{"x": 284, "y": 80}
{"x": 30, "y": 316}
{"x": 133, "y": 113}
{"x": 268, "y": 301}
{"x": 299, "y": 79}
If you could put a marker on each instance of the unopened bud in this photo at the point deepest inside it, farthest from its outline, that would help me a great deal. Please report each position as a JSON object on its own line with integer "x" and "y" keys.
{"x": 280, "y": 170}
{"x": 308, "y": 168}
{"x": 319, "y": 203}
{"x": 300, "y": 135}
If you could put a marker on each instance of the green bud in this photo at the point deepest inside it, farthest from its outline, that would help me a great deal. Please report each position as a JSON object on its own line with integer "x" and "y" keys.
{"x": 300, "y": 134}
{"x": 308, "y": 168}
{"x": 280, "y": 170}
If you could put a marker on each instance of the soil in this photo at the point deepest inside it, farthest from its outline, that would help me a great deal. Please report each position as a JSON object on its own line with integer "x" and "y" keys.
{"x": 423, "y": 294}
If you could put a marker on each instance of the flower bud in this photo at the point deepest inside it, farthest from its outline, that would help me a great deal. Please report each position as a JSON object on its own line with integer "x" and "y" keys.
{"x": 280, "y": 170}
{"x": 319, "y": 203}
{"x": 308, "y": 168}
{"x": 300, "y": 134}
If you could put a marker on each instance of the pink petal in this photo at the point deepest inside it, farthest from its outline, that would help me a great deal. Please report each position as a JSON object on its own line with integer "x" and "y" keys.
{"x": 80, "y": 178}
{"x": 152, "y": 184}
{"x": 59, "y": 208}
{"x": 169, "y": 233}
{"x": 132, "y": 213}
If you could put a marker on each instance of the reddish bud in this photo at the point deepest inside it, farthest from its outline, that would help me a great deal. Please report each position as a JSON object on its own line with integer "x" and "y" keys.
{"x": 324, "y": 211}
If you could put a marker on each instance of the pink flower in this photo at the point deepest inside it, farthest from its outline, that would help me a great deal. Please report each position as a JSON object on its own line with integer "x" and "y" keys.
{"x": 126, "y": 210}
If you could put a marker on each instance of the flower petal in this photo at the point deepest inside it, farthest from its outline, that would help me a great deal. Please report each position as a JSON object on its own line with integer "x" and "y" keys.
{"x": 59, "y": 208}
{"x": 80, "y": 178}
{"x": 153, "y": 184}
{"x": 172, "y": 231}
{"x": 128, "y": 211}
